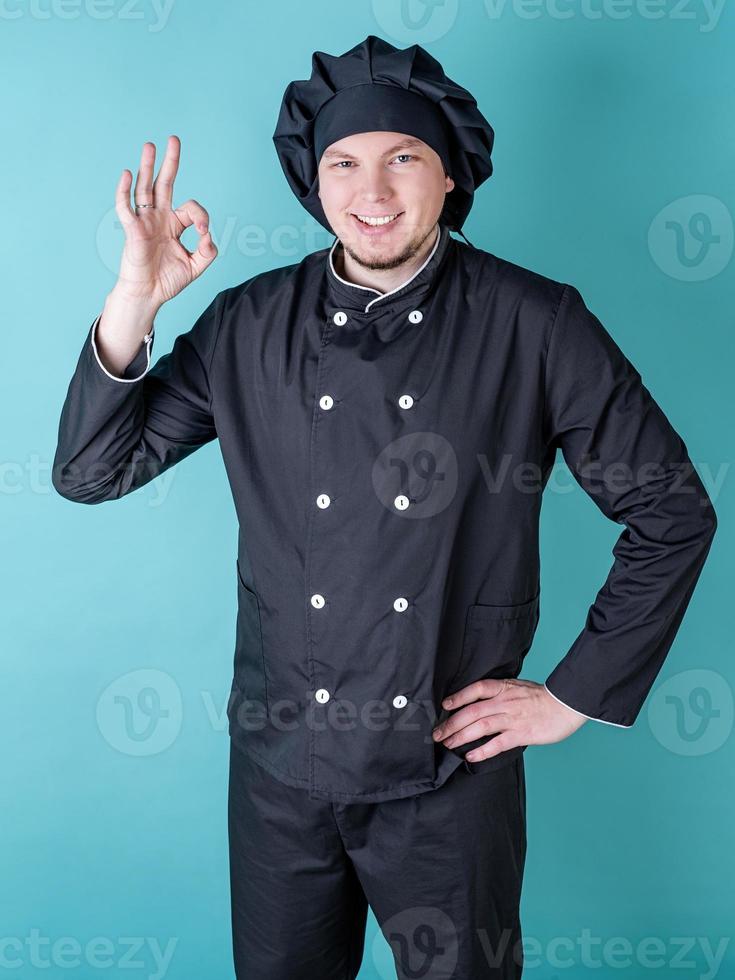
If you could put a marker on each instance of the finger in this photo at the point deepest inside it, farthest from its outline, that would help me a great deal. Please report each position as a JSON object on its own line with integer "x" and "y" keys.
{"x": 466, "y": 716}
{"x": 458, "y": 720}
{"x": 192, "y": 213}
{"x": 204, "y": 255}
{"x": 143, "y": 193}
{"x": 122, "y": 199}
{"x": 490, "y": 687}
{"x": 163, "y": 185}
{"x": 501, "y": 743}
{"x": 489, "y": 725}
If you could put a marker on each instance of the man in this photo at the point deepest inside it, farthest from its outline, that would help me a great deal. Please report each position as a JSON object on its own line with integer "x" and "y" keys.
{"x": 361, "y": 398}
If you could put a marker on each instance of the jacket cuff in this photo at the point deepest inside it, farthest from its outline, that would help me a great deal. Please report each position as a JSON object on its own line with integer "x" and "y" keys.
{"x": 616, "y": 724}
{"x": 140, "y": 364}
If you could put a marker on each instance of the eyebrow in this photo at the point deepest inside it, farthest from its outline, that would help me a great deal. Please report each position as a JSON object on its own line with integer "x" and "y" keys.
{"x": 403, "y": 145}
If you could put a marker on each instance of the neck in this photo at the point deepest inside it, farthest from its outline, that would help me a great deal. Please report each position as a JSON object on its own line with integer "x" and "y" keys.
{"x": 384, "y": 280}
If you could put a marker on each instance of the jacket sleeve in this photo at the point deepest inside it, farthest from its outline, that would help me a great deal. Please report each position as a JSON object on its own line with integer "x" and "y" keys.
{"x": 625, "y": 454}
{"x": 116, "y": 433}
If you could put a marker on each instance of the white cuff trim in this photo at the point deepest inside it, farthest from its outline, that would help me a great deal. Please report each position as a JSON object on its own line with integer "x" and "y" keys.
{"x": 601, "y": 720}
{"x": 147, "y": 339}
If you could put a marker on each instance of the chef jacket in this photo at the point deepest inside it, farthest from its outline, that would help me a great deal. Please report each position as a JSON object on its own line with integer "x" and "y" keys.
{"x": 387, "y": 454}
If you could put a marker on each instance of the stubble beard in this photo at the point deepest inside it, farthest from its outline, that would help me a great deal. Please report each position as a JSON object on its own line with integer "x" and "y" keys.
{"x": 409, "y": 251}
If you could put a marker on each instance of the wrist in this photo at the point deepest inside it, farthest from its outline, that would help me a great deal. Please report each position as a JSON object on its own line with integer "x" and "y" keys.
{"x": 142, "y": 307}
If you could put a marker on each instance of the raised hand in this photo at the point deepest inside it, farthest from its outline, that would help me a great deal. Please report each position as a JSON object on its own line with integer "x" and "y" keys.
{"x": 155, "y": 266}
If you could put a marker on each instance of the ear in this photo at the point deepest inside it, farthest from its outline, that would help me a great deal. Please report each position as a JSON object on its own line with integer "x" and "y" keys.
{"x": 449, "y": 183}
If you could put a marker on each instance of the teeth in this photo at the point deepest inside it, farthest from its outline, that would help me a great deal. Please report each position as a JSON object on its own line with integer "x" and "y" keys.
{"x": 377, "y": 221}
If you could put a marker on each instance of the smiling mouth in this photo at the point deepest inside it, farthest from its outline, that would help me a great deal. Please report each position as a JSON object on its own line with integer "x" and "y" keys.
{"x": 377, "y": 221}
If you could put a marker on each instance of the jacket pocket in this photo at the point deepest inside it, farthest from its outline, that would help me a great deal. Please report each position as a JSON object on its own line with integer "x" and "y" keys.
{"x": 249, "y": 667}
{"x": 495, "y": 641}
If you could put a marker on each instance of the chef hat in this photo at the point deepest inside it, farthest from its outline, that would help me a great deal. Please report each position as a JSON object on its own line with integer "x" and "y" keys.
{"x": 375, "y": 86}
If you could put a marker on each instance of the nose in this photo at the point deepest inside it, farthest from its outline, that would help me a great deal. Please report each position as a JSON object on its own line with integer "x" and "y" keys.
{"x": 376, "y": 185}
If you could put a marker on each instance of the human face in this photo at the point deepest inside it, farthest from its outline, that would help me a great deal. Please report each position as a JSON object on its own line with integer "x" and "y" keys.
{"x": 376, "y": 174}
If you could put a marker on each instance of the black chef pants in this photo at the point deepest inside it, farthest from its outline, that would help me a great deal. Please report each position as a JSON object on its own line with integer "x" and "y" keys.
{"x": 441, "y": 871}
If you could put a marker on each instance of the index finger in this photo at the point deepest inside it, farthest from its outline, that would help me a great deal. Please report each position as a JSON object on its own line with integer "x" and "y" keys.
{"x": 488, "y": 687}
{"x": 163, "y": 185}
{"x": 122, "y": 199}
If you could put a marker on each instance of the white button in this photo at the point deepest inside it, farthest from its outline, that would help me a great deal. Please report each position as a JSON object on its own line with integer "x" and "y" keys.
{"x": 322, "y": 695}
{"x": 400, "y": 701}
{"x": 326, "y": 402}
{"x": 415, "y": 316}
{"x": 400, "y": 604}
{"x": 401, "y": 501}
{"x": 405, "y": 401}
{"x": 323, "y": 500}
{"x": 340, "y": 318}
{"x": 317, "y": 601}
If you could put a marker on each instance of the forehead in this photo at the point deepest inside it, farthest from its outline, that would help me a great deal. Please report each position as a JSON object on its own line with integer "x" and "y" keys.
{"x": 374, "y": 143}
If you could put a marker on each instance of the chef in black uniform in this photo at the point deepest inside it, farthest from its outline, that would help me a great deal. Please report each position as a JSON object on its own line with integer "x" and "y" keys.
{"x": 389, "y": 410}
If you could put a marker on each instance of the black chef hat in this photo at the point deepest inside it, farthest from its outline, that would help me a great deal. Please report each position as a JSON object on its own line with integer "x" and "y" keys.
{"x": 375, "y": 86}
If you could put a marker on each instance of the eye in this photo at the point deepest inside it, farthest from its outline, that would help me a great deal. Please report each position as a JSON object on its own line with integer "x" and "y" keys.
{"x": 340, "y": 163}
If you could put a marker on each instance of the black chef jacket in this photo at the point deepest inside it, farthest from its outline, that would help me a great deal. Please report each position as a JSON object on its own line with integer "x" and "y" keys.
{"x": 387, "y": 454}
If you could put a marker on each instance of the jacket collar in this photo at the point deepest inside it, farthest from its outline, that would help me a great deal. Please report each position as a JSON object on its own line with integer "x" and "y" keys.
{"x": 364, "y": 299}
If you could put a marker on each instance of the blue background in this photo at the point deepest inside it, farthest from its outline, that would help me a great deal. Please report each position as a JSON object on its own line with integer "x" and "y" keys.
{"x": 613, "y": 171}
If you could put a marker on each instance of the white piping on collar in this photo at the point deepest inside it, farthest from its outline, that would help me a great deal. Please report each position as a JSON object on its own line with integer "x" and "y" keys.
{"x": 397, "y": 288}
